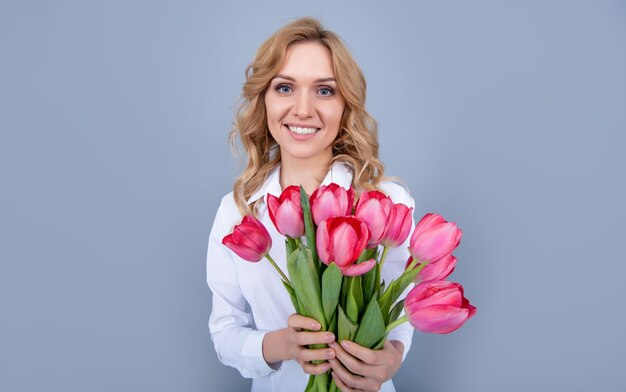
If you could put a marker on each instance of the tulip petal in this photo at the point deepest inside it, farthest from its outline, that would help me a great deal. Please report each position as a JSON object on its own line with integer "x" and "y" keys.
{"x": 290, "y": 220}
{"x": 438, "y": 270}
{"x": 342, "y": 245}
{"x": 358, "y": 269}
{"x": 398, "y": 225}
{"x": 428, "y": 221}
{"x": 322, "y": 242}
{"x": 435, "y": 242}
{"x": 440, "y": 319}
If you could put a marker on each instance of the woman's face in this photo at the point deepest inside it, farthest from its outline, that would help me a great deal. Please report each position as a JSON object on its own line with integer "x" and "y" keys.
{"x": 304, "y": 106}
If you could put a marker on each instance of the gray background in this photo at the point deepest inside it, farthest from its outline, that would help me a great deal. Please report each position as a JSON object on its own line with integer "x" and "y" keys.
{"x": 506, "y": 117}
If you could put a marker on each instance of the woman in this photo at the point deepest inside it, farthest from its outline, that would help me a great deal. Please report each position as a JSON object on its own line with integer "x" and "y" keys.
{"x": 302, "y": 122}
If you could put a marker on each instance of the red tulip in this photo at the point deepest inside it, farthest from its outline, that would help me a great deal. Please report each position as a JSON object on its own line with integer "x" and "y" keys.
{"x": 437, "y": 307}
{"x": 439, "y": 270}
{"x": 434, "y": 238}
{"x": 249, "y": 239}
{"x": 373, "y": 208}
{"x": 286, "y": 212}
{"x": 341, "y": 240}
{"x": 329, "y": 201}
{"x": 398, "y": 225}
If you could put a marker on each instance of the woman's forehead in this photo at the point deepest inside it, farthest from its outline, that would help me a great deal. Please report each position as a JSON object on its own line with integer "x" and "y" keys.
{"x": 307, "y": 60}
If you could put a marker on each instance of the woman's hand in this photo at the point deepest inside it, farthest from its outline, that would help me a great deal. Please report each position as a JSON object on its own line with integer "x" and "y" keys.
{"x": 358, "y": 368}
{"x": 292, "y": 342}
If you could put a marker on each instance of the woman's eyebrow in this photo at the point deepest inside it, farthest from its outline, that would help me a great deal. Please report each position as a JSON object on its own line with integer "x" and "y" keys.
{"x": 316, "y": 80}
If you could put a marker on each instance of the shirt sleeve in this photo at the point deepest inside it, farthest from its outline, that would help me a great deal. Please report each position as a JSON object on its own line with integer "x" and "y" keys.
{"x": 237, "y": 342}
{"x": 392, "y": 269}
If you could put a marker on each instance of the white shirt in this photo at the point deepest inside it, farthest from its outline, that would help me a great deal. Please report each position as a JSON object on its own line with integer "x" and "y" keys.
{"x": 249, "y": 299}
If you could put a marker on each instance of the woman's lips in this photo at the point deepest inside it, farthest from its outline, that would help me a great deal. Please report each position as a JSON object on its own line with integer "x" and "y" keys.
{"x": 300, "y": 137}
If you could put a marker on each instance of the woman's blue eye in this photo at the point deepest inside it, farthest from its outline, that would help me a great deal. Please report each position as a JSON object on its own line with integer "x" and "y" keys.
{"x": 283, "y": 88}
{"x": 326, "y": 91}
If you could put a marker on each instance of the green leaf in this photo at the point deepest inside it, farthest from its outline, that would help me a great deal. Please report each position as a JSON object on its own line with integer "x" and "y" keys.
{"x": 369, "y": 284}
{"x": 395, "y": 312}
{"x": 405, "y": 280}
{"x": 321, "y": 381}
{"x": 346, "y": 329}
{"x": 381, "y": 343}
{"x": 352, "y": 307}
{"x": 380, "y": 286}
{"x": 331, "y": 286}
{"x": 357, "y": 291}
{"x": 292, "y": 295}
{"x": 345, "y": 286}
{"x": 395, "y": 289}
{"x": 309, "y": 227}
{"x": 372, "y": 327}
{"x": 306, "y": 284}
{"x": 290, "y": 245}
{"x": 310, "y": 386}
{"x": 332, "y": 326}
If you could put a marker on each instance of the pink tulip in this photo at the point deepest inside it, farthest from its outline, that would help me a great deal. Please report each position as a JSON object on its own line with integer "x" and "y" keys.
{"x": 437, "y": 307}
{"x": 250, "y": 240}
{"x": 341, "y": 240}
{"x": 439, "y": 270}
{"x": 398, "y": 225}
{"x": 373, "y": 208}
{"x": 329, "y": 201}
{"x": 434, "y": 238}
{"x": 286, "y": 212}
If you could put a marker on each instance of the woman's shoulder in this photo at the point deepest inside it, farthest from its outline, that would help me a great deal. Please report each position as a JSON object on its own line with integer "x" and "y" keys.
{"x": 398, "y": 192}
{"x": 228, "y": 211}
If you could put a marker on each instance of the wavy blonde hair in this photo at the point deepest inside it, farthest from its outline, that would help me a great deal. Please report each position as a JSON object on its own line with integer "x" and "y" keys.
{"x": 356, "y": 144}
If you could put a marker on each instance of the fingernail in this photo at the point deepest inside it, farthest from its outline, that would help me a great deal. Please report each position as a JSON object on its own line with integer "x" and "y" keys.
{"x": 331, "y": 360}
{"x": 332, "y": 345}
{"x": 315, "y": 326}
{"x": 345, "y": 344}
{"x": 330, "y": 337}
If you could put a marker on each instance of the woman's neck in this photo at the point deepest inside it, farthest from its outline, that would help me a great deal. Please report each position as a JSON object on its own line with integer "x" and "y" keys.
{"x": 308, "y": 173}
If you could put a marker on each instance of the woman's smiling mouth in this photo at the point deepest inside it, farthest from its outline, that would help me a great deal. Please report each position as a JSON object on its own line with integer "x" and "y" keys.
{"x": 302, "y": 130}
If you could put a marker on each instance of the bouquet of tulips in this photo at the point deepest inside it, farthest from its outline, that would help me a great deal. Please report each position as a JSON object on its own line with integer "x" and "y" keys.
{"x": 335, "y": 252}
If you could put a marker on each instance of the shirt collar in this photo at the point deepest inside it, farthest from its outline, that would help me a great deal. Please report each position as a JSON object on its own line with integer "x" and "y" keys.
{"x": 339, "y": 173}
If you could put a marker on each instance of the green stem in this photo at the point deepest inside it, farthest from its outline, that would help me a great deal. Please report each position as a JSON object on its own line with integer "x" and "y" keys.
{"x": 414, "y": 263}
{"x": 396, "y": 323}
{"x": 383, "y": 257}
{"x": 267, "y": 256}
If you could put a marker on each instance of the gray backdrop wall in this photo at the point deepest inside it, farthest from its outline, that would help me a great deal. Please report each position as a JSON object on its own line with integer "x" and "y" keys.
{"x": 506, "y": 117}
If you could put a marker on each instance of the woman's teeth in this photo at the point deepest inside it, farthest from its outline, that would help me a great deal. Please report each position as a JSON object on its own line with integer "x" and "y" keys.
{"x": 302, "y": 131}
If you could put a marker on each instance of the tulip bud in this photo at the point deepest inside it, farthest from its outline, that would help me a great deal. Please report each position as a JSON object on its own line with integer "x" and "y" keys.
{"x": 434, "y": 238}
{"x": 341, "y": 240}
{"x": 286, "y": 212}
{"x": 373, "y": 208}
{"x": 250, "y": 240}
{"x": 438, "y": 307}
{"x": 398, "y": 226}
{"x": 438, "y": 270}
{"x": 329, "y": 201}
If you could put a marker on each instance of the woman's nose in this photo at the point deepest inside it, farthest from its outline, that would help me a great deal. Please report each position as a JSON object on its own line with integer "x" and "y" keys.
{"x": 303, "y": 105}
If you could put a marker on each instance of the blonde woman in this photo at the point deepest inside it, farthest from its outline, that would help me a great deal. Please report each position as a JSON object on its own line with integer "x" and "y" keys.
{"x": 302, "y": 121}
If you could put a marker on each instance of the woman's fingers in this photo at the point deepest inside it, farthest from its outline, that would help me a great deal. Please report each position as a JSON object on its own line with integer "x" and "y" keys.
{"x": 340, "y": 384}
{"x": 302, "y": 322}
{"x": 317, "y": 354}
{"x": 310, "y": 368}
{"x": 353, "y": 364}
{"x": 348, "y": 379}
{"x": 304, "y": 338}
